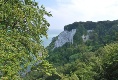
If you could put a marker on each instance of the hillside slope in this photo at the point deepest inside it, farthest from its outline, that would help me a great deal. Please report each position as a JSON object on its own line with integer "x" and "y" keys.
{"x": 86, "y": 51}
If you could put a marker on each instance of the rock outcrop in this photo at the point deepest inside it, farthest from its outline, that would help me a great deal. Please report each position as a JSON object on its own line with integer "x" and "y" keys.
{"x": 64, "y": 37}
{"x": 86, "y": 37}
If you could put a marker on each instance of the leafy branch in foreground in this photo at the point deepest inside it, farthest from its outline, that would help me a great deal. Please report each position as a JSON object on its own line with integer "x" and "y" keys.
{"x": 21, "y": 31}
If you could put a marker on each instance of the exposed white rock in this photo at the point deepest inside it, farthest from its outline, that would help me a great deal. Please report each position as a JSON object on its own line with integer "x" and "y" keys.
{"x": 86, "y": 37}
{"x": 89, "y": 31}
{"x": 64, "y": 37}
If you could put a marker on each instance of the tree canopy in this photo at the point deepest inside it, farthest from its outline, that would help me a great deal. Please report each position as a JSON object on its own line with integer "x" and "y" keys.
{"x": 22, "y": 25}
{"x": 94, "y": 59}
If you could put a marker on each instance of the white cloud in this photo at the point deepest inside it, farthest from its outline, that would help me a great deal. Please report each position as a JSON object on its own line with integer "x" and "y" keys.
{"x": 69, "y": 11}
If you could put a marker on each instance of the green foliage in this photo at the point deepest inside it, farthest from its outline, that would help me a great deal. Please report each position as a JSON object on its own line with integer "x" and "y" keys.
{"x": 44, "y": 70}
{"x": 95, "y": 59}
{"x": 99, "y": 65}
{"x": 103, "y": 32}
{"x": 109, "y": 58}
{"x": 21, "y": 29}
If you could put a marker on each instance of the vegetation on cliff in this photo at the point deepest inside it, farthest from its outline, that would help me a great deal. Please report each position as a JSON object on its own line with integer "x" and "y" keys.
{"x": 22, "y": 25}
{"x": 95, "y": 59}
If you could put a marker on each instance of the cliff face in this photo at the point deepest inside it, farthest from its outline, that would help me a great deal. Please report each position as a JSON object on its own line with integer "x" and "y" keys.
{"x": 89, "y": 33}
{"x": 64, "y": 37}
{"x": 67, "y": 36}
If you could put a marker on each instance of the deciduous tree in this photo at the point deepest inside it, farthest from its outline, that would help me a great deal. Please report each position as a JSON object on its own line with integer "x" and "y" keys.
{"x": 22, "y": 25}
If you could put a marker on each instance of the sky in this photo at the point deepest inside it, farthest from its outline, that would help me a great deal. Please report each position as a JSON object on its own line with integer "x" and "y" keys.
{"x": 68, "y": 11}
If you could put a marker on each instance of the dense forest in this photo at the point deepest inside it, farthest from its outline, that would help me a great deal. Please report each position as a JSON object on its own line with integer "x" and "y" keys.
{"x": 23, "y": 57}
{"x": 95, "y": 59}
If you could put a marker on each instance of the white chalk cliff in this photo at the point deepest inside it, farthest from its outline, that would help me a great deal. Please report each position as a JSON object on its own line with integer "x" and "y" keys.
{"x": 64, "y": 37}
